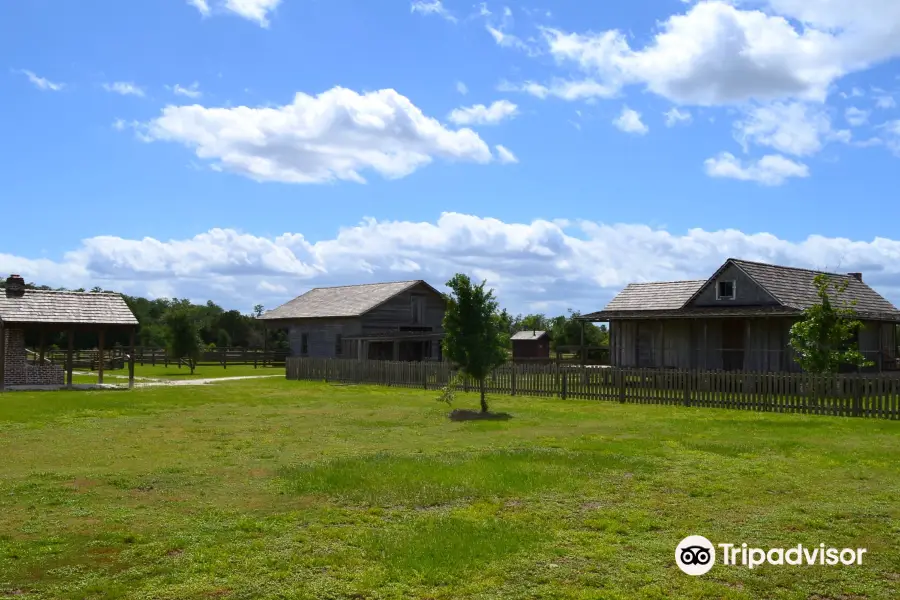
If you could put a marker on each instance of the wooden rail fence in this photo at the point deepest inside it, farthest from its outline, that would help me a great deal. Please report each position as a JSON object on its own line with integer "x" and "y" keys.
{"x": 876, "y": 396}
{"x": 115, "y": 358}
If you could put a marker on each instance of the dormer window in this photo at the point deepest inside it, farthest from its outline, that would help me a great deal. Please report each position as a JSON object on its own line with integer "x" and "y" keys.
{"x": 725, "y": 290}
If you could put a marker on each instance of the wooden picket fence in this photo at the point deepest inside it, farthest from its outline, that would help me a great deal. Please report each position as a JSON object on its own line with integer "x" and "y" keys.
{"x": 856, "y": 395}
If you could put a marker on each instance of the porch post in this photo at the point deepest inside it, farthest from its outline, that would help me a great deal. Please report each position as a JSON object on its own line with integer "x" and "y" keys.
{"x": 582, "y": 346}
{"x": 2, "y": 358}
{"x": 100, "y": 340}
{"x": 69, "y": 351}
{"x": 131, "y": 359}
{"x": 43, "y": 345}
{"x": 705, "y": 345}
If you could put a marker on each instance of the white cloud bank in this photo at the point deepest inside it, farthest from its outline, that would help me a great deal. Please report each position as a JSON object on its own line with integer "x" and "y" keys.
{"x": 550, "y": 265}
{"x": 333, "y": 136}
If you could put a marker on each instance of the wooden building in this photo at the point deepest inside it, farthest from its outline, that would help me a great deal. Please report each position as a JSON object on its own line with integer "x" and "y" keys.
{"x": 380, "y": 321}
{"x": 531, "y": 346}
{"x": 44, "y": 311}
{"x": 738, "y": 319}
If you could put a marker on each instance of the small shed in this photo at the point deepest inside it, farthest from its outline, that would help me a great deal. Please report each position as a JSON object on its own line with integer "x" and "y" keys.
{"x": 531, "y": 346}
{"x": 47, "y": 311}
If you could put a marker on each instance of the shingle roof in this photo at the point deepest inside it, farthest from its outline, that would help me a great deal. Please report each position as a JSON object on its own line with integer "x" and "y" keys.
{"x": 794, "y": 287}
{"x": 341, "y": 301}
{"x": 528, "y": 335}
{"x": 76, "y": 308}
{"x": 667, "y": 295}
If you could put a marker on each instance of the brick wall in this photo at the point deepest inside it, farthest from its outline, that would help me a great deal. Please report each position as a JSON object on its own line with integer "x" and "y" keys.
{"x": 19, "y": 372}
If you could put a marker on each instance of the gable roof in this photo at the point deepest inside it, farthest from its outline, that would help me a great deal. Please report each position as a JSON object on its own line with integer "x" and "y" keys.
{"x": 529, "y": 335}
{"x": 69, "y": 308}
{"x": 341, "y": 301}
{"x": 666, "y": 295}
{"x": 793, "y": 288}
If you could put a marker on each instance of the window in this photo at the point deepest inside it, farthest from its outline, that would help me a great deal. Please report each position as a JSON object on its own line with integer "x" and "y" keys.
{"x": 725, "y": 290}
{"x": 304, "y": 344}
{"x": 338, "y": 345}
{"x": 417, "y": 305}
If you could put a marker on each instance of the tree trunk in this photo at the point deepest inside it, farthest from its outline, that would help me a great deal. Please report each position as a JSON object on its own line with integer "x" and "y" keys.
{"x": 484, "y": 406}
{"x": 191, "y": 365}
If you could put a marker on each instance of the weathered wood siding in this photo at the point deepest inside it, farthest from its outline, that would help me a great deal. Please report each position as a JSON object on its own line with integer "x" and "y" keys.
{"x": 698, "y": 344}
{"x": 397, "y": 312}
{"x": 747, "y": 292}
{"x": 322, "y": 336}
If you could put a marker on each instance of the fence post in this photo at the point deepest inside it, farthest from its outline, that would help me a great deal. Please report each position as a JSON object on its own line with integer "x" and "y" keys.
{"x": 857, "y": 396}
{"x": 687, "y": 388}
{"x": 565, "y": 384}
{"x": 515, "y": 369}
{"x": 621, "y": 386}
{"x": 327, "y": 360}
{"x": 224, "y": 358}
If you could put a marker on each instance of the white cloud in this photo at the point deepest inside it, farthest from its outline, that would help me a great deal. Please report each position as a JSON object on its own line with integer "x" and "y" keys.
{"x": 853, "y": 93}
{"x": 432, "y": 7}
{"x": 796, "y": 128}
{"x": 505, "y": 155}
{"x": 201, "y": 5}
{"x": 559, "y": 88}
{"x": 675, "y": 116}
{"x": 885, "y": 102}
{"x": 480, "y": 114}
{"x": 629, "y": 121}
{"x": 333, "y": 136}
{"x": 719, "y": 53}
{"x": 856, "y": 116}
{"x": 556, "y": 264}
{"x": 462, "y": 88}
{"x": 191, "y": 91}
{"x": 253, "y": 10}
{"x": 41, "y": 83}
{"x": 770, "y": 170}
{"x": 125, "y": 88}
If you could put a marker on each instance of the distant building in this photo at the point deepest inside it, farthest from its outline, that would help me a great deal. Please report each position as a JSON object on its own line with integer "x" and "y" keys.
{"x": 531, "y": 346}
{"x": 737, "y": 320}
{"x": 400, "y": 321}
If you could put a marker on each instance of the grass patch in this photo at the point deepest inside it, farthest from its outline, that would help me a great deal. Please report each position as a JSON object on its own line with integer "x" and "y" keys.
{"x": 278, "y": 489}
{"x": 422, "y": 481}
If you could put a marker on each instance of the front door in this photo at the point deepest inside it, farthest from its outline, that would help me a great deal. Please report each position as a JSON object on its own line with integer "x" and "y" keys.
{"x": 733, "y": 332}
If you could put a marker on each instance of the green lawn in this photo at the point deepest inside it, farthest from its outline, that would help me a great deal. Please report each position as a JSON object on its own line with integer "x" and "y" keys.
{"x": 173, "y": 372}
{"x": 280, "y": 489}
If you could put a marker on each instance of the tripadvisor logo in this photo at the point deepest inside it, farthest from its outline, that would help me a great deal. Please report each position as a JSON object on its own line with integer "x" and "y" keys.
{"x": 696, "y": 555}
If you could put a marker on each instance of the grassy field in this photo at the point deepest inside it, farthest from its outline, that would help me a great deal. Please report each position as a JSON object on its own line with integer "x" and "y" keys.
{"x": 278, "y": 489}
{"x": 173, "y": 372}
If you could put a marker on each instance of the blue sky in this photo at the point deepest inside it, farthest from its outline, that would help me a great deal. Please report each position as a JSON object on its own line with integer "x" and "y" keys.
{"x": 246, "y": 150}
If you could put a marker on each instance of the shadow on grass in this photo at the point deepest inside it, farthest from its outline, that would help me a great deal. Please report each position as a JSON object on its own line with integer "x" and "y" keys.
{"x": 460, "y": 414}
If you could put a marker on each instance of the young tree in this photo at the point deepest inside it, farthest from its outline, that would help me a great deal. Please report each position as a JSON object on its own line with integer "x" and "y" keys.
{"x": 258, "y": 310}
{"x": 475, "y": 336}
{"x": 823, "y": 340}
{"x": 183, "y": 335}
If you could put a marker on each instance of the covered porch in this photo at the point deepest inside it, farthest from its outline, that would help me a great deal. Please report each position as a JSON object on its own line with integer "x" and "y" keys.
{"x": 47, "y": 312}
{"x": 402, "y": 346}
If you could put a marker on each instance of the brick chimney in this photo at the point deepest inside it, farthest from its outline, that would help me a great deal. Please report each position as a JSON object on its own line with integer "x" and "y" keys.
{"x": 856, "y": 276}
{"x": 15, "y": 286}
